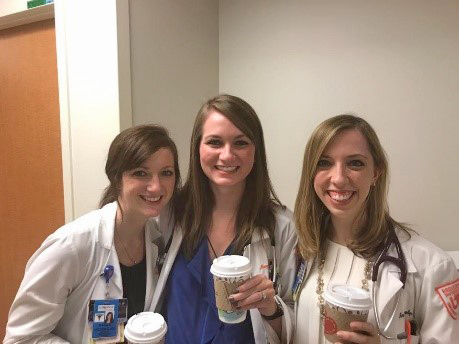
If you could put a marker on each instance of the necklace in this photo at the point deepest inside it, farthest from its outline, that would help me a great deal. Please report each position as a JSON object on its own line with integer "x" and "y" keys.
{"x": 133, "y": 261}
{"x": 320, "y": 281}
{"x": 212, "y": 247}
{"x": 227, "y": 226}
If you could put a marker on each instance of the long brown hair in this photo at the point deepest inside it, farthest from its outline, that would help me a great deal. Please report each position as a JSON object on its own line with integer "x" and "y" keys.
{"x": 256, "y": 211}
{"x": 130, "y": 149}
{"x": 311, "y": 214}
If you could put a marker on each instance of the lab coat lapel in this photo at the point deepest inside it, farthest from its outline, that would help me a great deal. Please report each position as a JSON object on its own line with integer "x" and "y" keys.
{"x": 389, "y": 284}
{"x": 257, "y": 253}
{"x": 151, "y": 255}
{"x": 388, "y": 289}
{"x": 167, "y": 266}
{"x": 115, "y": 285}
{"x": 105, "y": 237}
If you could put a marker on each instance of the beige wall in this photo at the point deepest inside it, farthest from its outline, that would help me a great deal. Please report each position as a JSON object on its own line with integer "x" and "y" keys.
{"x": 395, "y": 63}
{"x": 297, "y": 63}
{"x": 174, "y": 64}
{"x": 8, "y": 7}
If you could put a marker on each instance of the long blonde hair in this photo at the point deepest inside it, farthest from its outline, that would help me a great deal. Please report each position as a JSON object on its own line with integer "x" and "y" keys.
{"x": 256, "y": 211}
{"x": 311, "y": 214}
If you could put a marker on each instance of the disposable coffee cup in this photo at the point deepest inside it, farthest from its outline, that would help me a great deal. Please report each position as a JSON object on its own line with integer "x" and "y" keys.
{"x": 229, "y": 273}
{"x": 145, "y": 328}
{"x": 344, "y": 304}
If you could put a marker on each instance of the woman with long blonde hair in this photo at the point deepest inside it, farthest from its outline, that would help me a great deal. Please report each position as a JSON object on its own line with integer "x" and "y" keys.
{"x": 344, "y": 226}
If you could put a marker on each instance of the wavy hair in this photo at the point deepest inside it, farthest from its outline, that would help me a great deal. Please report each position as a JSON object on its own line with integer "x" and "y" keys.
{"x": 256, "y": 210}
{"x": 310, "y": 213}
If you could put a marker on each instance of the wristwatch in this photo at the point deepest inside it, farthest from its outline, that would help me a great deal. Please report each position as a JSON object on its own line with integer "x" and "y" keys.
{"x": 278, "y": 313}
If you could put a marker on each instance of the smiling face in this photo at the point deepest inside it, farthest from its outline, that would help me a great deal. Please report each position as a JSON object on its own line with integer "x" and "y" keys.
{"x": 226, "y": 153}
{"x": 345, "y": 173}
{"x": 146, "y": 189}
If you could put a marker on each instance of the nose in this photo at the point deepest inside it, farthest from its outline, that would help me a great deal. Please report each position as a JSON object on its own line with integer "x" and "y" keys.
{"x": 338, "y": 174}
{"x": 226, "y": 152}
{"x": 154, "y": 184}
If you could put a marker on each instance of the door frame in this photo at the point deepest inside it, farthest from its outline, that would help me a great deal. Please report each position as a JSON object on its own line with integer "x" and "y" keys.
{"x": 94, "y": 89}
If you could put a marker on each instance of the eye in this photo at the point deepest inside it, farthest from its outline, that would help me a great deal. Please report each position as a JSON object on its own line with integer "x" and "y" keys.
{"x": 139, "y": 173}
{"x": 323, "y": 163}
{"x": 167, "y": 173}
{"x": 356, "y": 163}
{"x": 241, "y": 143}
{"x": 214, "y": 142}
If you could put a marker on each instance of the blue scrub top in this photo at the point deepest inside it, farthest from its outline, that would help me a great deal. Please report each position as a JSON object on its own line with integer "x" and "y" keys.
{"x": 191, "y": 313}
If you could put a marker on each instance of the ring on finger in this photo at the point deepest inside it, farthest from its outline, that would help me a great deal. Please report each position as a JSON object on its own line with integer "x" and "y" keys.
{"x": 263, "y": 295}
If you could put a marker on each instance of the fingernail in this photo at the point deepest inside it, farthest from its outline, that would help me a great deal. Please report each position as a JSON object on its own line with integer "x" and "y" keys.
{"x": 232, "y": 301}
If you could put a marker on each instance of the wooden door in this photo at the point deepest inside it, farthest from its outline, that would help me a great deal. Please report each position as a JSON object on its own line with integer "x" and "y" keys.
{"x": 31, "y": 186}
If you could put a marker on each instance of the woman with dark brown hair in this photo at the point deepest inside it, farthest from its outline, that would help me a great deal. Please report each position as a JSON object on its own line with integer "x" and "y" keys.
{"x": 103, "y": 256}
{"x": 228, "y": 206}
{"x": 347, "y": 236}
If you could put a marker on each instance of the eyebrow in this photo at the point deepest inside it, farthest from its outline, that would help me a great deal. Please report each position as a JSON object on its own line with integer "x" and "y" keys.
{"x": 212, "y": 136}
{"x": 349, "y": 156}
{"x": 146, "y": 168}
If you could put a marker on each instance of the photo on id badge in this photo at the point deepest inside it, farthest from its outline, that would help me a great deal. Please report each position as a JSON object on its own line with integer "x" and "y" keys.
{"x": 105, "y": 315}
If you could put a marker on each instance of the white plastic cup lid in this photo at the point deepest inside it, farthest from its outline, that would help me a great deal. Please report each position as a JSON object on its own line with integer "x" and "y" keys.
{"x": 231, "y": 266}
{"x": 145, "y": 327}
{"x": 348, "y": 296}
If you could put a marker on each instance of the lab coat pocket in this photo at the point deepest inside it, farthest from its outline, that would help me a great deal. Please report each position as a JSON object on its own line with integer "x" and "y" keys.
{"x": 414, "y": 340}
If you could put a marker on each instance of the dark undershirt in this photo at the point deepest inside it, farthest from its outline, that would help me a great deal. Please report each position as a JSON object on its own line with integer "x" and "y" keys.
{"x": 134, "y": 286}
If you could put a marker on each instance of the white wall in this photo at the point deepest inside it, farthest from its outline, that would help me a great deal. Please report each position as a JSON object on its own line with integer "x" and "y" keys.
{"x": 174, "y": 60}
{"x": 396, "y": 63}
{"x": 94, "y": 93}
{"x": 8, "y": 7}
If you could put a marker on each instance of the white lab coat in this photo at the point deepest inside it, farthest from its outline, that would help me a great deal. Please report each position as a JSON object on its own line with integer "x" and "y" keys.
{"x": 51, "y": 305}
{"x": 428, "y": 267}
{"x": 285, "y": 243}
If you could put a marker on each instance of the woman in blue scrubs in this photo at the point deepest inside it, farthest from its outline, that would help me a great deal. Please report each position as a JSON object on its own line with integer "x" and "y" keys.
{"x": 228, "y": 206}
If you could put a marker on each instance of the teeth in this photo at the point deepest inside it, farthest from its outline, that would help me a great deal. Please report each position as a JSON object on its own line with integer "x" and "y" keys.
{"x": 152, "y": 199}
{"x": 340, "y": 196}
{"x": 226, "y": 168}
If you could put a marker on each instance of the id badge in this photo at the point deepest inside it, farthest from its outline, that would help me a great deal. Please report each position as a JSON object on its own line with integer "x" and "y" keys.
{"x": 107, "y": 317}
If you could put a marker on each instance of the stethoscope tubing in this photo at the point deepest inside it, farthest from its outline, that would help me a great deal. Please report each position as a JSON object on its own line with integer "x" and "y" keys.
{"x": 399, "y": 262}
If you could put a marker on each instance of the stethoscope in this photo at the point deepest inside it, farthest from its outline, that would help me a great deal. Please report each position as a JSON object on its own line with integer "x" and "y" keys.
{"x": 400, "y": 263}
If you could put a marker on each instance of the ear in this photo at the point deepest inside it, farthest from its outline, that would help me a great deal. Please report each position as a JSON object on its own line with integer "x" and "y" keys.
{"x": 376, "y": 174}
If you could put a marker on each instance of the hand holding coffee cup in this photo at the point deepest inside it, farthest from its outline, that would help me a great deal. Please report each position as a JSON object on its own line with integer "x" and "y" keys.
{"x": 229, "y": 272}
{"x": 256, "y": 292}
{"x": 362, "y": 332}
{"x": 345, "y": 304}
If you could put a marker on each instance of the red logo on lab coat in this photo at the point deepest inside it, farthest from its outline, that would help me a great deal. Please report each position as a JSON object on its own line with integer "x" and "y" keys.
{"x": 449, "y": 295}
